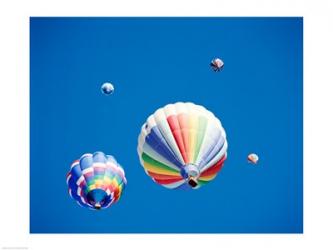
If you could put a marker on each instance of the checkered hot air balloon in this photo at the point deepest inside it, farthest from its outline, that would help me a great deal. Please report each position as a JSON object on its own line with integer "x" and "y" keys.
{"x": 182, "y": 145}
{"x": 96, "y": 180}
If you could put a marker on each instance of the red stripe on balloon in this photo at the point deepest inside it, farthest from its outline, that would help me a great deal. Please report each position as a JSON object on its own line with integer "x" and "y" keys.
{"x": 176, "y": 132}
{"x": 213, "y": 169}
{"x": 169, "y": 181}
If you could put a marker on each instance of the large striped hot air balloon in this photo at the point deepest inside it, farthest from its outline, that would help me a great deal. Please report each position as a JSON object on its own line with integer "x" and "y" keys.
{"x": 96, "y": 180}
{"x": 182, "y": 145}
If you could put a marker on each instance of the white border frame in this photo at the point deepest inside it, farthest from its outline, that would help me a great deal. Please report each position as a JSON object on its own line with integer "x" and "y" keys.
{"x": 14, "y": 132}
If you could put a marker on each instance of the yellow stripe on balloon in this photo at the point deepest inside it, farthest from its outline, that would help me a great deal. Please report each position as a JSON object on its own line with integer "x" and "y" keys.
{"x": 99, "y": 182}
{"x": 107, "y": 180}
{"x": 114, "y": 182}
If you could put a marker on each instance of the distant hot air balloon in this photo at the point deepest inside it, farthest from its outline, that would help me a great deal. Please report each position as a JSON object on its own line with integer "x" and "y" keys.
{"x": 253, "y": 158}
{"x": 107, "y": 88}
{"x": 182, "y": 145}
{"x": 217, "y": 64}
{"x": 96, "y": 180}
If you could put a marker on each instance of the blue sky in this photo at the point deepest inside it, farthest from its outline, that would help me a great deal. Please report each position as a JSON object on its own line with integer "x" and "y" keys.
{"x": 152, "y": 62}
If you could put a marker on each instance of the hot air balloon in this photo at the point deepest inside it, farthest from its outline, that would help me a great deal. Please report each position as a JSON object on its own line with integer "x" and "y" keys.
{"x": 253, "y": 158}
{"x": 107, "y": 88}
{"x": 96, "y": 180}
{"x": 182, "y": 146}
{"x": 217, "y": 64}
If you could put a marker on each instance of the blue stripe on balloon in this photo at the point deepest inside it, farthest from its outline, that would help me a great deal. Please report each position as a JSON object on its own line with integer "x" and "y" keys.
{"x": 217, "y": 148}
{"x": 107, "y": 200}
{"x": 209, "y": 155}
{"x": 83, "y": 204}
{"x": 156, "y": 141}
{"x": 73, "y": 187}
{"x": 76, "y": 172}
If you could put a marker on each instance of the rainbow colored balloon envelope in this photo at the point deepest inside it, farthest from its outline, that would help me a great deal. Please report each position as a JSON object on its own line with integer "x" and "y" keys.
{"x": 182, "y": 146}
{"x": 96, "y": 180}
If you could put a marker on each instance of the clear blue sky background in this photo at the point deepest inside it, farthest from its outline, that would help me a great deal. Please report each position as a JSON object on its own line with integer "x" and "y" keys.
{"x": 153, "y": 62}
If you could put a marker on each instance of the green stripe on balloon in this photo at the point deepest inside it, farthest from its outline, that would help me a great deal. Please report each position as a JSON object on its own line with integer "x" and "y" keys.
{"x": 156, "y": 163}
{"x": 201, "y": 182}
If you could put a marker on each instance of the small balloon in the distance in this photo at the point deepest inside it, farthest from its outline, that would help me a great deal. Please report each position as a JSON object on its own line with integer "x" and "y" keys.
{"x": 217, "y": 64}
{"x": 253, "y": 158}
{"x": 107, "y": 88}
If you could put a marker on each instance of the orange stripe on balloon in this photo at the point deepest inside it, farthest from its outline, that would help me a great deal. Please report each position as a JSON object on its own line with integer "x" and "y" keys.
{"x": 207, "y": 178}
{"x": 184, "y": 128}
{"x": 160, "y": 181}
